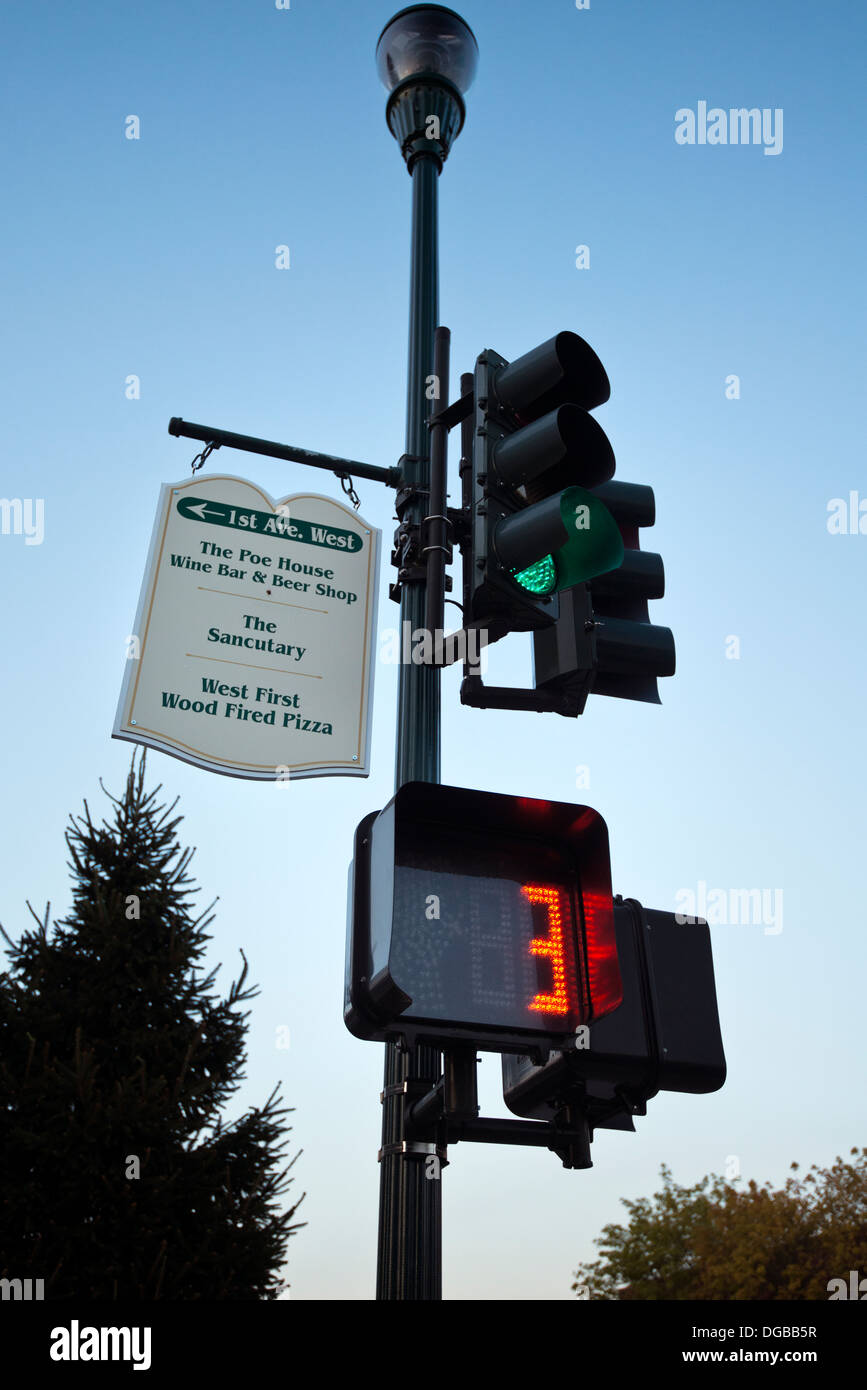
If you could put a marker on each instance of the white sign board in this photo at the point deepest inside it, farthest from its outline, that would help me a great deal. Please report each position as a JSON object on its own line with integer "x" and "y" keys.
{"x": 252, "y": 652}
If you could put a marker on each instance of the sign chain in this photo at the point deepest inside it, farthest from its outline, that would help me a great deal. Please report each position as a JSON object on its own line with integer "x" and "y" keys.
{"x": 349, "y": 488}
{"x": 200, "y": 460}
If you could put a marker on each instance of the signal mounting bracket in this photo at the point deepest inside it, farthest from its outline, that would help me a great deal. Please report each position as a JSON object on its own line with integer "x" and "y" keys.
{"x": 452, "y": 1105}
{"x": 566, "y": 701}
{"x": 408, "y": 558}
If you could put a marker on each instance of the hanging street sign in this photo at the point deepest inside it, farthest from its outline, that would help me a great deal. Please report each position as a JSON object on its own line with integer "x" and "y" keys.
{"x": 252, "y": 653}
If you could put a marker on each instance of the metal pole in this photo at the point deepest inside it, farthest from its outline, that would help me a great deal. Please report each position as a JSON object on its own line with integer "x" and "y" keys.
{"x": 434, "y": 550}
{"x": 410, "y": 1205}
{"x": 418, "y": 700}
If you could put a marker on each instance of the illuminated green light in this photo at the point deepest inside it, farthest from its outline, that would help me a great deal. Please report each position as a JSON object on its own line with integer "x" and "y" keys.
{"x": 538, "y": 578}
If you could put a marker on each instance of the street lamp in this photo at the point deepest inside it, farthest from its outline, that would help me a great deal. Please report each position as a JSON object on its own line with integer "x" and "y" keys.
{"x": 426, "y": 57}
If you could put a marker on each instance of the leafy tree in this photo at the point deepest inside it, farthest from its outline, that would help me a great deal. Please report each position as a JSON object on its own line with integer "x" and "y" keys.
{"x": 118, "y": 1177}
{"x": 714, "y": 1241}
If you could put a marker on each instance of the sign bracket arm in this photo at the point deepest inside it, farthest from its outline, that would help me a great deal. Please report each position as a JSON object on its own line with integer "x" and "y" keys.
{"x": 180, "y": 428}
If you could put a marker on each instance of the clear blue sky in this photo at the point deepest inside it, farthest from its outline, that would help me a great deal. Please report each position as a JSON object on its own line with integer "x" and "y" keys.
{"x": 155, "y": 257}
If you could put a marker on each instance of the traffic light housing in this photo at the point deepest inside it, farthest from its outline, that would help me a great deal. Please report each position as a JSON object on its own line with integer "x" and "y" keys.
{"x": 664, "y": 1036}
{"x": 537, "y": 526}
{"x": 603, "y": 641}
{"x": 479, "y": 918}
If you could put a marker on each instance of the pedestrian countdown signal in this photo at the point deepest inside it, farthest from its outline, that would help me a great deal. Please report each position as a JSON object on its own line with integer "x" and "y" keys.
{"x": 482, "y": 918}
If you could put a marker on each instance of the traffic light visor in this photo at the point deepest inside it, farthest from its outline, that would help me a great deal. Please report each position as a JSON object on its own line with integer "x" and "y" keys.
{"x": 561, "y": 542}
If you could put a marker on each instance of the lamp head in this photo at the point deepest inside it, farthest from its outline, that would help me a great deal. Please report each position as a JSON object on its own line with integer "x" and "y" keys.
{"x": 427, "y": 41}
{"x": 426, "y": 58}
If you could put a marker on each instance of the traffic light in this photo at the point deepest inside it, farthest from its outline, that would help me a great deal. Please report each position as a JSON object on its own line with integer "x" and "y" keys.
{"x": 480, "y": 918}
{"x": 665, "y": 1035}
{"x": 537, "y": 529}
{"x": 603, "y": 641}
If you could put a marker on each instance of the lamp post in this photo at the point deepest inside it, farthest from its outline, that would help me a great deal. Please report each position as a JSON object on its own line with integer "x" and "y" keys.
{"x": 426, "y": 58}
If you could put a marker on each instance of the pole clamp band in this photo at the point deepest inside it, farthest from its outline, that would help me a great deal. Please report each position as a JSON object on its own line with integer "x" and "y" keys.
{"x": 408, "y": 1148}
{"x": 399, "y": 1088}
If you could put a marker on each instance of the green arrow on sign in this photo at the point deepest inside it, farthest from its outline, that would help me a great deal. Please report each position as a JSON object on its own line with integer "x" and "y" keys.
{"x": 275, "y": 525}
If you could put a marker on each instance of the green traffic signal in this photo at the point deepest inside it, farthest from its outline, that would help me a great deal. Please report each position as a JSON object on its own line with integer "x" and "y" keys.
{"x": 560, "y": 542}
{"x": 539, "y": 578}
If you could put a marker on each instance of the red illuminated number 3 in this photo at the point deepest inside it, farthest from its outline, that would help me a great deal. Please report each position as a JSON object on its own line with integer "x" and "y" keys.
{"x": 552, "y": 946}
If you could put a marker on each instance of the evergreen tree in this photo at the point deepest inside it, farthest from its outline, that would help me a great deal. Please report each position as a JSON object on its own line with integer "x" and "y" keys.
{"x": 118, "y": 1177}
